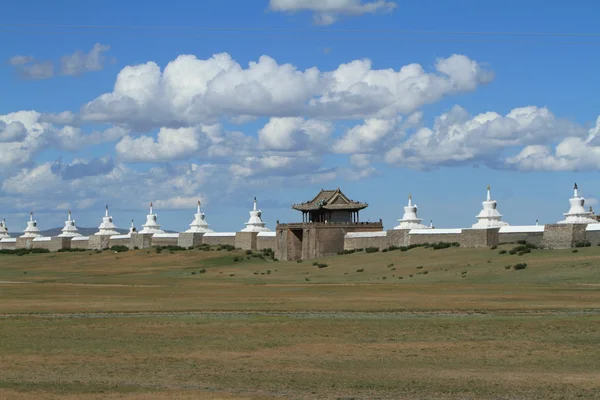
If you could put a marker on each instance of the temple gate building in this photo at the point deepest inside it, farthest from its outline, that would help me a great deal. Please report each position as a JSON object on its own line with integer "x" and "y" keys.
{"x": 325, "y": 221}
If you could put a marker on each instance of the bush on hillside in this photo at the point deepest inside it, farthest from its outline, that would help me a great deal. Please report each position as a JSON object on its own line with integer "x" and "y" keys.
{"x": 119, "y": 248}
{"x": 371, "y": 249}
{"x": 519, "y": 266}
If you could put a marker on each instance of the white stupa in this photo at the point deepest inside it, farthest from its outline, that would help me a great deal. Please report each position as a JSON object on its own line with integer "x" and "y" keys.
{"x": 255, "y": 223}
{"x": 70, "y": 230}
{"x": 489, "y": 217}
{"x": 4, "y": 230}
{"x": 32, "y": 231}
{"x": 107, "y": 227}
{"x": 409, "y": 219}
{"x": 151, "y": 226}
{"x": 199, "y": 224}
{"x": 132, "y": 229}
{"x": 577, "y": 213}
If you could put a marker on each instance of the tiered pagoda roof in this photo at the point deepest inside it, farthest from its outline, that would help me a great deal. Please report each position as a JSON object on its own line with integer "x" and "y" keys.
{"x": 330, "y": 200}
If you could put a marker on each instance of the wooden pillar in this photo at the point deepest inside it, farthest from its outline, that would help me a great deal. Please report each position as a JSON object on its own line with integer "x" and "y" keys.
{"x": 358, "y": 216}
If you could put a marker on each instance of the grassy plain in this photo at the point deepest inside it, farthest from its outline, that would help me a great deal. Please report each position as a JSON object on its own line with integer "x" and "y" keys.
{"x": 140, "y": 325}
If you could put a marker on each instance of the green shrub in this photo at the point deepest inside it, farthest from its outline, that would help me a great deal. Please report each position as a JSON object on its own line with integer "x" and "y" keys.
{"x": 75, "y": 250}
{"x": 494, "y": 247}
{"x": 238, "y": 258}
{"x": 22, "y": 252}
{"x": 420, "y": 267}
{"x": 502, "y": 252}
{"x": 226, "y": 247}
{"x": 202, "y": 271}
{"x": 360, "y": 270}
{"x": 583, "y": 244}
{"x": 371, "y": 249}
{"x": 384, "y": 250}
{"x": 519, "y": 266}
{"x": 507, "y": 266}
{"x": 322, "y": 265}
{"x": 315, "y": 263}
{"x": 575, "y": 251}
{"x": 119, "y": 248}
{"x": 248, "y": 252}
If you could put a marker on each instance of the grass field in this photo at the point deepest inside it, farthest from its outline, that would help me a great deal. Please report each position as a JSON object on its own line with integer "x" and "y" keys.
{"x": 422, "y": 324}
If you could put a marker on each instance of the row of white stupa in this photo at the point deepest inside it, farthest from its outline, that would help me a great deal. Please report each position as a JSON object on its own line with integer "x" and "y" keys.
{"x": 490, "y": 217}
{"x": 108, "y": 228}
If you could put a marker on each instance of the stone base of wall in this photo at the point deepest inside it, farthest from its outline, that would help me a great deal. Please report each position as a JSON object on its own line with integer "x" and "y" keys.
{"x": 189, "y": 239}
{"x": 218, "y": 240}
{"x": 120, "y": 242}
{"x": 266, "y": 242}
{"x": 435, "y": 238}
{"x": 24, "y": 243}
{"x": 170, "y": 241}
{"x": 80, "y": 244}
{"x": 536, "y": 238}
{"x": 246, "y": 240}
{"x": 380, "y": 242}
{"x": 593, "y": 237}
{"x": 8, "y": 245}
{"x": 141, "y": 240}
{"x": 563, "y": 236}
{"x": 98, "y": 242}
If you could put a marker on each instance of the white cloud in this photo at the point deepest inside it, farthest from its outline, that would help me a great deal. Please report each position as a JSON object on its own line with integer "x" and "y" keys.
{"x": 458, "y": 139}
{"x": 191, "y": 91}
{"x": 35, "y": 70}
{"x": 573, "y": 153}
{"x": 79, "y": 62}
{"x": 362, "y": 138}
{"x": 326, "y": 12}
{"x": 286, "y": 134}
{"x": 28, "y": 182}
{"x": 179, "y": 203}
{"x": 20, "y": 60}
{"x": 171, "y": 144}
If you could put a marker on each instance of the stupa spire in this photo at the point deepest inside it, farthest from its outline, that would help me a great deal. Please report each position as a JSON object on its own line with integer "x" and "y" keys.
{"x": 489, "y": 216}
{"x": 151, "y": 226}
{"x": 199, "y": 224}
{"x": 32, "y": 231}
{"x": 107, "y": 228}
{"x": 577, "y": 213}
{"x": 4, "y": 230}
{"x": 410, "y": 220}
{"x": 255, "y": 223}
{"x": 70, "y": 230}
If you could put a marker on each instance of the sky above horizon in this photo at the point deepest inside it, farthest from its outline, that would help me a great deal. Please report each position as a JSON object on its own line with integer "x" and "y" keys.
{"x": 176, "y": 102}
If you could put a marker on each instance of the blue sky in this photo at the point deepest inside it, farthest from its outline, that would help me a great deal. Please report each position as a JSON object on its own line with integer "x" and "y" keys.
{"x": 373, "y": 131}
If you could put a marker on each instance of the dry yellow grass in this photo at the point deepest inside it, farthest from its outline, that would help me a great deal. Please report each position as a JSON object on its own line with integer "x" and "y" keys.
{"x": 150, "y": 326}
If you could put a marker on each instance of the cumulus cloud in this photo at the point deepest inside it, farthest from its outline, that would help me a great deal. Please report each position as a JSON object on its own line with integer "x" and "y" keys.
{"x": 79, "y": 62}
{"x": 456, "y": 138}
{"x": 285, "y": 134}
{"x": 326, "y": 12}
{"x": 191, "y": 91}
{"x": 573, "y": 153}
{"x": 362, "y": 138}
{"x": 171, "y": 144}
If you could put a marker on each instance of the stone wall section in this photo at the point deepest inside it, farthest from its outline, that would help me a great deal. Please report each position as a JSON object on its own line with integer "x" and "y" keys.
{"x": 435, "y": 238}
{"x": 218, "y": 240}
{"x": 8, "y": 245}
{"x": 246, "y": 240}
{"x": 80, "y": 244}
{"x": 120, "y": 242}
{"x": 536, "y": 238}
{"x": 266, "y": 242}
{"x": 380, "y": 242}
{"x": 563, "y": 236}
{"x": 189, "y": 239}
{"x": 98, "y": 242}
{"x": 162, "y": 241}
{"x": 141, "y": 240}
